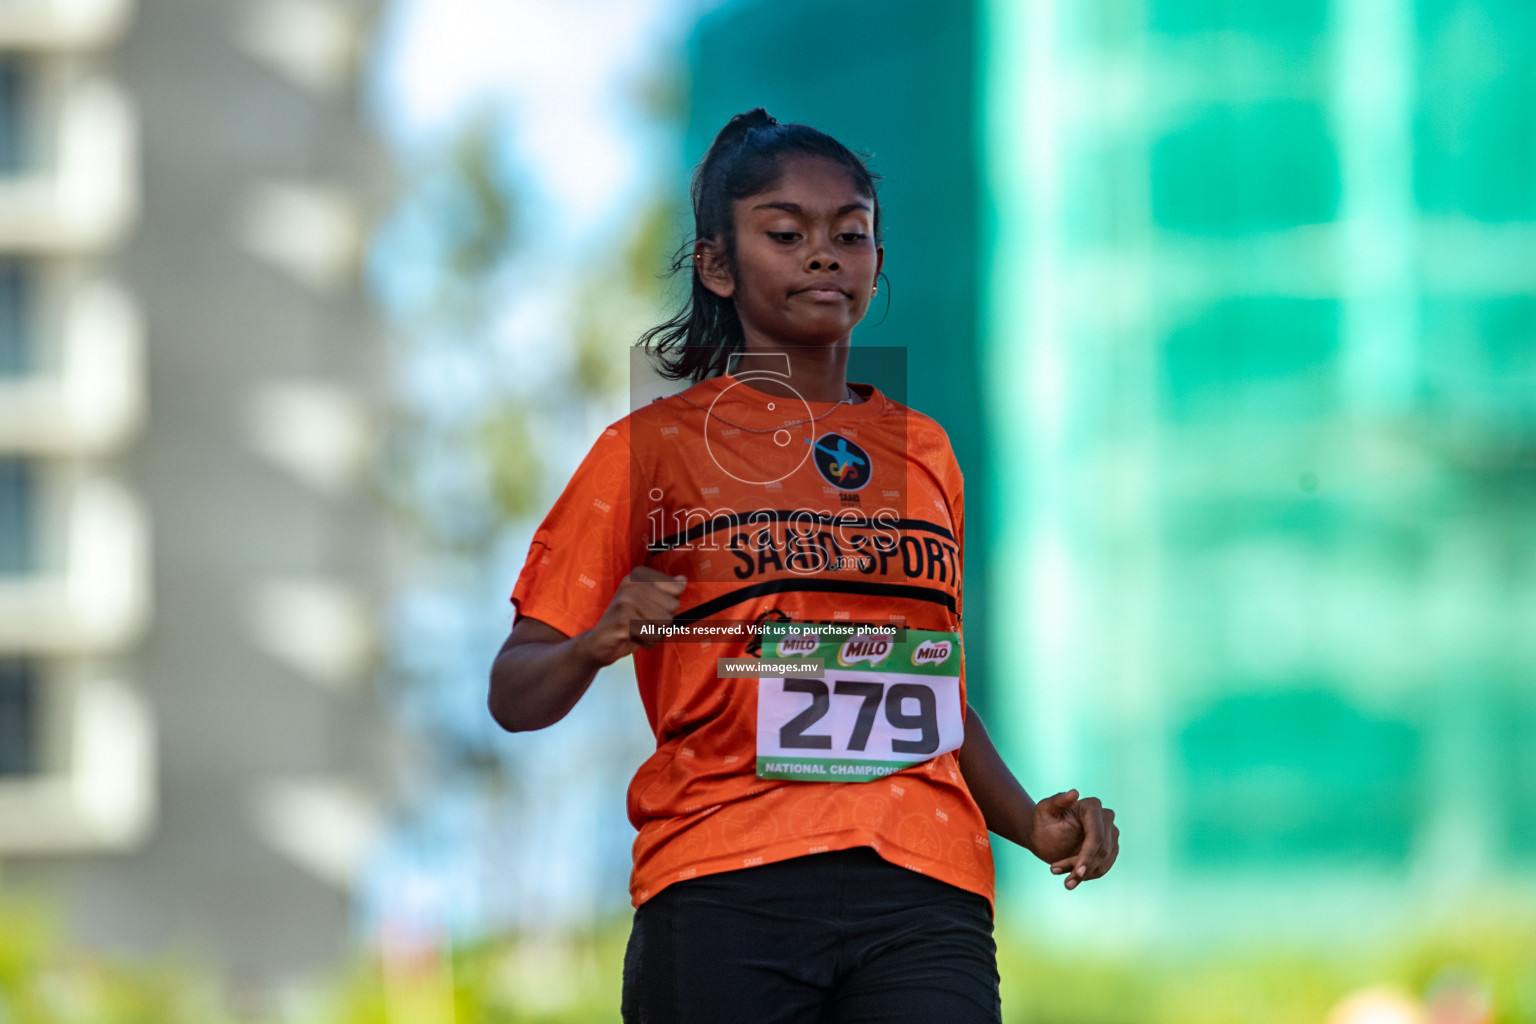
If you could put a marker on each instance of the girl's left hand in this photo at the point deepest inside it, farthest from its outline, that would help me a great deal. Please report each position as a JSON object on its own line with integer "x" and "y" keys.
{"x": 1078, "y": 838}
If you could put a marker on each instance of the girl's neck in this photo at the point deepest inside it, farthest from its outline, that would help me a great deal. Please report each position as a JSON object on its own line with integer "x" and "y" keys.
{"x": 815, "y": 373}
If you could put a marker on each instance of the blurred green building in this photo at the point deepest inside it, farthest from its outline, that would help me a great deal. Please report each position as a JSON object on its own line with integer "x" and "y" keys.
{"x": 1261, "y": 341}
{"x": 1247, "y": 294}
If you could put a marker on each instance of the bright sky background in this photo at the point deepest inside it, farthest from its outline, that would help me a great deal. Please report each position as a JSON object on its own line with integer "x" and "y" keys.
{"x": 566, "y": 82}
{"x": 563, "y": 73}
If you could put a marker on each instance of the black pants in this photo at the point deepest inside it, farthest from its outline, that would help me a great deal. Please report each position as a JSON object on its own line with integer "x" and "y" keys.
{"x": 833, "y": 938}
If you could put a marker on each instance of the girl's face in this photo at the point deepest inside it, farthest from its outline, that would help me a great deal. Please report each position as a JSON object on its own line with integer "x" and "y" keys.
{"x": 806, "y": 257}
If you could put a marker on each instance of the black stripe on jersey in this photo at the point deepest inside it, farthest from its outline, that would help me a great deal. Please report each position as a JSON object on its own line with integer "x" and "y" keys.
{"x": 764, "y": 516}
{"x": 788, "y": 586}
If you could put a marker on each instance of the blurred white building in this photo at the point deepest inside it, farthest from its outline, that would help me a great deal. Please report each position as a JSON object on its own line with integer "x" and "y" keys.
{"x": 188, "y": 556}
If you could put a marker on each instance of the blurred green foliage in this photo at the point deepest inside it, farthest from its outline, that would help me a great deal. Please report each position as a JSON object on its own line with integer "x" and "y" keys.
{"x": 455, "y": 472}
{"x": 44, "y": 982}
{"x": 630, "y": 293}
{"x": 1267, "y": 983}
{"x": 571, "y": 979}
{"x": 452, "y": 477}
{"x": 473, "y": 208}
{"x": 511, "y": 463}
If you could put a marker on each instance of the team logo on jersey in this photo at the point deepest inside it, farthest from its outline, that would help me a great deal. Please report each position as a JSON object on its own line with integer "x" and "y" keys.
{"x": 841, "y": 463}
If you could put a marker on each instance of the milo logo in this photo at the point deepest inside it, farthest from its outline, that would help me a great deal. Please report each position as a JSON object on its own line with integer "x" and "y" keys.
{"x": 799, "y": 644}
{"x": 872, "y": 649}
{"x": 931, "y": 652}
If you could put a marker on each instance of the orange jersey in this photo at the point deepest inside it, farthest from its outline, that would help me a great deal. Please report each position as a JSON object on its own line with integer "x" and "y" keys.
{"x": 773, "y": 509}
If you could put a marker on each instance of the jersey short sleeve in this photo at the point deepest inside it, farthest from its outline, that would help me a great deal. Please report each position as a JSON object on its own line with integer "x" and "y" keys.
{"x": 585, "y": 545}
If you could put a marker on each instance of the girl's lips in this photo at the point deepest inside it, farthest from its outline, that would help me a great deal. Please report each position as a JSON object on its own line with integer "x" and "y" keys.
{"x": 822, "y": 293}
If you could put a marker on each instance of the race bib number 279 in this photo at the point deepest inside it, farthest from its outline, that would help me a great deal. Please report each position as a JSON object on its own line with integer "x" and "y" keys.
{"x": 877, "y": 706}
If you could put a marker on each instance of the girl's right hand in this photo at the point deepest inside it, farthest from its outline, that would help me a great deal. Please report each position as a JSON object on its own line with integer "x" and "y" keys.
{"x": 645, "y": 594}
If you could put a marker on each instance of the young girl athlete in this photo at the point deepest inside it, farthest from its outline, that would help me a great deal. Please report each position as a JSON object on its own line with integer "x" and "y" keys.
{"x": 813, "y": 845}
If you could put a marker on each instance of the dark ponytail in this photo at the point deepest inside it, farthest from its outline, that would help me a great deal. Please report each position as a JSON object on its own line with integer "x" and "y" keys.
{"x": 744, "y": 160}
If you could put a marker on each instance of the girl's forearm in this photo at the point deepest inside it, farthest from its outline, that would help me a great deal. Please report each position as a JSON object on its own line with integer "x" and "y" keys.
{"x": 1004, "y": 804}
{"x": 534, "y": 684}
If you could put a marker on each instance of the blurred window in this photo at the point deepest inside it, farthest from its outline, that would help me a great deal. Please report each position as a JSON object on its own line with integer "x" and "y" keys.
{"x": 13, "y": 102}
{"x": 1241, "y": 168}
{"x": 18, "y": 718}
{"x": 16, "y": 526}
{"x": 1475, "y": 129}
{"x": 1295, "y": 19}
{"x": 1476, "y": 155}
{"x": 1253, "y": 357}
{"x": 14, "y": 348}
{"x": 1297, "y": 774}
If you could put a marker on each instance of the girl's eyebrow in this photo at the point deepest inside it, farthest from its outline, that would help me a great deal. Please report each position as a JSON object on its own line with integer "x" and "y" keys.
{"x": 796, "y": 209}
